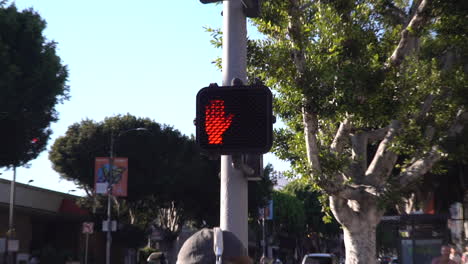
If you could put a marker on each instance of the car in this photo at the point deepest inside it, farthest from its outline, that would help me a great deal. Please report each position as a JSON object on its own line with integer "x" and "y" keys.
{"x": 320, "y": 258}
{"x": 156, "y": 258}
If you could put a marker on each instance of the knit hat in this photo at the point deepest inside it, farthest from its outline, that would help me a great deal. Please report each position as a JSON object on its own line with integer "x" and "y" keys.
{"x": 198, "y": 249}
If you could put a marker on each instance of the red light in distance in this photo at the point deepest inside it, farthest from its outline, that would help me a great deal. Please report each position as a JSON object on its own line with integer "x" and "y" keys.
{"x": 216, "y": 121}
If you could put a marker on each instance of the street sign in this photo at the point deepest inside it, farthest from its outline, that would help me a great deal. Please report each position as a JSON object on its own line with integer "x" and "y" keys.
{"x": 266, "y": 212}
{"x": 234, "y": 119}
{"x": 88, "y": 227}
{"x": 13, "y": 245}
{"x": 105, "y": 225}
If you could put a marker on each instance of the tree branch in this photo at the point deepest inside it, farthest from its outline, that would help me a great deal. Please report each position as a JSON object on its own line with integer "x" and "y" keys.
{"x": 409, "y": 34}
{"x": 310, "y": 133}
{"x": 459, "y": 123}
{"x": 425, "y": 107}
{"x": 341, "y": 137}
{"x": 341, "y": 210}
{"x": 359, "y": 143}
{"x": 358, "y": 191}
{"x": 384, "y": 159}
{"x": 398, "y": 16}
{"x": 422, "y": 165}
{"x": 377, "y": 135}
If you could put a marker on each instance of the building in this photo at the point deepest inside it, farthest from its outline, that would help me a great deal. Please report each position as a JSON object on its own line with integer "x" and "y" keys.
{"x": 46, "y": 222}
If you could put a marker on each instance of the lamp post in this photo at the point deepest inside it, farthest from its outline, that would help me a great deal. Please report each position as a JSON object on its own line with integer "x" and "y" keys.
{"x": 11, "y": 228}
{"x": 110, "y": 183}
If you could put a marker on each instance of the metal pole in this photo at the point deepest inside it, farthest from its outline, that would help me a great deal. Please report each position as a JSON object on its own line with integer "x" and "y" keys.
{"x": 86, "y": 248}
{"x": 11, "y": 228}
{"x": 264, "y": 235}
{"x": 233, "y": 211}
{"x": 109, "y": 194}
{"x": 12, "y": 201}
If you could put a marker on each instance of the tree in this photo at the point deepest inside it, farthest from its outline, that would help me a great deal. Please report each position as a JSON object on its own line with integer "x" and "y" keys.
{"x": 32, "y": 82}
{"x": 369, "y": 92}
{"x": 166, "y": 171}
{"x": 319, "y": 226}
{"x": 289, "y": 216}
{"x": 169, "y": 180}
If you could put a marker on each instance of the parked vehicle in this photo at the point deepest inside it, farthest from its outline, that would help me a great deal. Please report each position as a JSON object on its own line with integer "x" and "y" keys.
{"x": 156, "y": 258}
{"x": 320, "y": 258}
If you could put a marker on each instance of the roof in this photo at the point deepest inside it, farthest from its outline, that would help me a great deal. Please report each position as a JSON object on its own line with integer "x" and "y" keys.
{"x": 31, "y": 198}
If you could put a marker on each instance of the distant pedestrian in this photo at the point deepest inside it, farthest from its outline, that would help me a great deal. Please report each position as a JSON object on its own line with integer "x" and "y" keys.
{"x": 454, "y": 255}
{"x": 464, "y": 257}
{"x": 444, "y": 257}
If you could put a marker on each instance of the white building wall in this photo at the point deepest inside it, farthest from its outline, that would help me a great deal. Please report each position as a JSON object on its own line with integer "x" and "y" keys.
{"x": 32, "y": 197}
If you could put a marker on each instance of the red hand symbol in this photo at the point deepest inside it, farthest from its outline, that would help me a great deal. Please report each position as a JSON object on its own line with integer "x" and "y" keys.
{"x": 216, "y": 121}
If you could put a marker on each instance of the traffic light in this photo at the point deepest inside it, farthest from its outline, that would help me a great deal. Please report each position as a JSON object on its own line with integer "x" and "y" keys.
{"x": 234, "y": 119}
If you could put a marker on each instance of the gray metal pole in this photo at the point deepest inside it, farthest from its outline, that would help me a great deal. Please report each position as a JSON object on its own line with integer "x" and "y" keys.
{"x": 109, "y": 194}
{"x": 12, "y": 202}
{"x": 11, "y": 229}
{"x": 86, "y": 248}
{"x": 233, "y": 211}
{"x": 264, "y": 234}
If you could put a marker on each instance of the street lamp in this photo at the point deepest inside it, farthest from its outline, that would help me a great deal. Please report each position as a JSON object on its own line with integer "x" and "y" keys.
{"x": 110, "y": 183}
{"x": 11, "y": 229}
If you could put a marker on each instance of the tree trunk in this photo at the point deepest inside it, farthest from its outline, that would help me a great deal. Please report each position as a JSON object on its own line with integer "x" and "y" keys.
{"x": 359, "y": 219}
{"x": 360, "y": 244}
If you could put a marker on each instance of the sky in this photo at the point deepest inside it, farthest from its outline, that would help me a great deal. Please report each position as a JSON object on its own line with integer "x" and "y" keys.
{"x": 147, "y": 58}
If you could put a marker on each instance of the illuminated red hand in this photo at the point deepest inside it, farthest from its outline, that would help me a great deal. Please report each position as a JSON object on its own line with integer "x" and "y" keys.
{"x": 216, "y": 121}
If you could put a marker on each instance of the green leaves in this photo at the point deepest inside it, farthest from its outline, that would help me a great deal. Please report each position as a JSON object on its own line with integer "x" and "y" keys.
{"x": 331, "y": 57}
{"x": 32, "y": 82}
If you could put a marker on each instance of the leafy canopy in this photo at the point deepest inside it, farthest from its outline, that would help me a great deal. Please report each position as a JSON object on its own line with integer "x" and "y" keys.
{"x": 165, "y": 167}
{"x": 32, "y": 82}
{"x": 332, "y": 59}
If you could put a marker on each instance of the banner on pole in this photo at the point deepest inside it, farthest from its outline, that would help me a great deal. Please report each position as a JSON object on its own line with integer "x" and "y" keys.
{"x": 118, "y": 178}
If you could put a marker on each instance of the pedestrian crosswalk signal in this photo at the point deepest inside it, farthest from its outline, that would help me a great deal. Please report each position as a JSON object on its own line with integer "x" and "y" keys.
{"x": 234, "y": 119}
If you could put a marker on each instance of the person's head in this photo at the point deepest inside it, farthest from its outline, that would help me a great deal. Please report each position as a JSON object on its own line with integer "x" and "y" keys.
{"x": 199, "y": 249}
{"x": 445, "y": 250}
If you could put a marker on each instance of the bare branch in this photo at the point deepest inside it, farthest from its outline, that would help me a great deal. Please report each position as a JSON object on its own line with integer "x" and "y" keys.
{"x": 357, "y": 191}
{"x": 398, "y": 16}
{"x": 384, "y": 159}
{"x": 459, "y": 123}
{"x": 409, "y": 34}
{"x": 341, "y": 210}
{"x": 310, "y": 133}
{"x": 420, "y": 167}
{"x": 359, "y": 155}
{"x": 377, "y": 135}
{"x": 341, "y": 137}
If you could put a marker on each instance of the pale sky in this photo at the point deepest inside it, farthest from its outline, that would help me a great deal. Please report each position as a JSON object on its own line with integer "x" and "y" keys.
{"x": 148, "y": 58}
